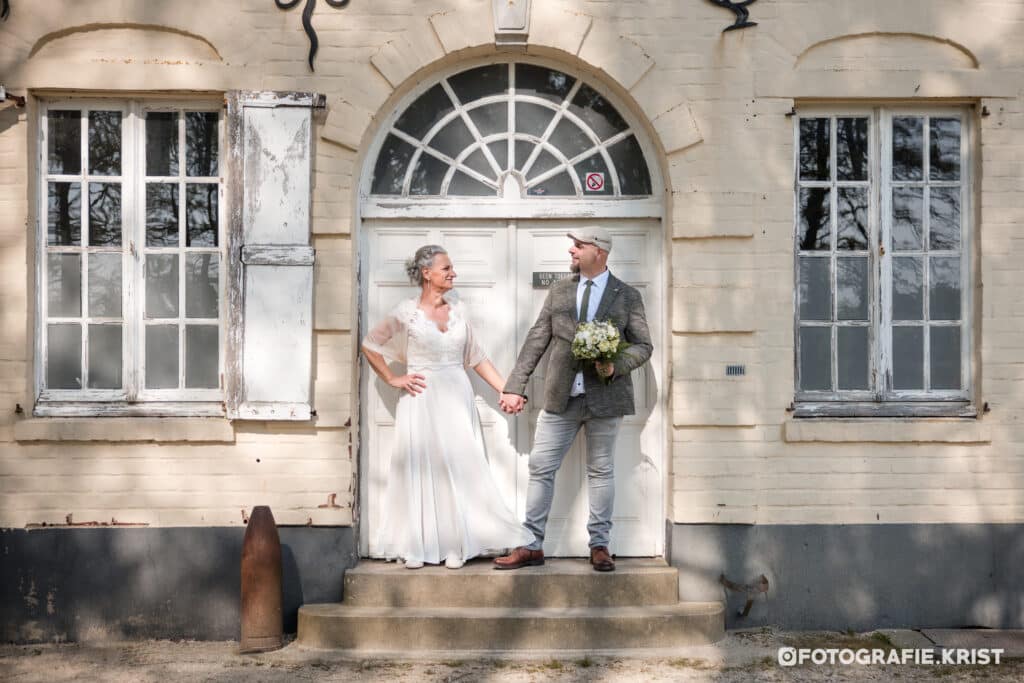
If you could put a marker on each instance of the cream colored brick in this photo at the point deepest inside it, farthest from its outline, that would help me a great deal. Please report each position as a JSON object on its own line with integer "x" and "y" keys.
{"x": 468, "y": 25}
{"x": 154, "y": 430}
{"x": 346, "y": 124}
{"x": 718, "y": 309}
{"x": 408, "y": 53}
{"x": 677, "y": 129}
{"x": 558, "y": 28}
{"x": 619, "y": 56}
{"x": 881, "y": 431}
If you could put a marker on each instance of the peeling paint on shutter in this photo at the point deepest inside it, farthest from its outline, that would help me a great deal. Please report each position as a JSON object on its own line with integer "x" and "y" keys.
{"x": 271, "y": 260}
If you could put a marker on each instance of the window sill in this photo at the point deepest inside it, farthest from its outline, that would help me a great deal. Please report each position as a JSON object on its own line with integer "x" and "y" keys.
{"x": 146, "y": 429}
{"x": 893, "y": 430}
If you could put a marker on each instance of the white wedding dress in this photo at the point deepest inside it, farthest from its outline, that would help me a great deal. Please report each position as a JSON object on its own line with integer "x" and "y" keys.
{"x": 440, "y": 501}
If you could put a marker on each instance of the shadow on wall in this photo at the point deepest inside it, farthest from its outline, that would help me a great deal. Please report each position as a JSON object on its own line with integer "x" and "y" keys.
{"x": 110, "y": 584}
{"x": 859, "y": 577}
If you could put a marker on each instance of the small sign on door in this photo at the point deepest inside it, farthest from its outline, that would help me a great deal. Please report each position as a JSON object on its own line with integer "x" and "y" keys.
{"x": 594, "y": 182}
{"x": 545, "y": 278}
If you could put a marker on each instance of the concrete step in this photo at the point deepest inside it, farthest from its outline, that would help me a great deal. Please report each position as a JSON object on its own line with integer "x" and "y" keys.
{"x": 558, "y": 583}
{"x": 366, "y": 629}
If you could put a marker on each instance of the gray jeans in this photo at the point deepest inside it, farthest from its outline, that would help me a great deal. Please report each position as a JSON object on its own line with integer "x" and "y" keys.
{"x": 554, "y": 436}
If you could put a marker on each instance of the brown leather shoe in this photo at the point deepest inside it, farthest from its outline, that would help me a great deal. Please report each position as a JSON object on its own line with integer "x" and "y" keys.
{"x": 520, "y": 557}
{"x": 601, "y": 560}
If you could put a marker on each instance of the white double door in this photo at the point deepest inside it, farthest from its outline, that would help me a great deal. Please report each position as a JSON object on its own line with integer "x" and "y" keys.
{"x": 496, "y": 262}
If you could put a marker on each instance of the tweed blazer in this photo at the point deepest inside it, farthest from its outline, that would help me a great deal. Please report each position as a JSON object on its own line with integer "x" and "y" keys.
{"x": 555, "y": 328}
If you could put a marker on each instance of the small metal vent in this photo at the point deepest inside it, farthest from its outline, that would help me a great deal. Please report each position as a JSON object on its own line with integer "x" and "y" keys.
{"x": 735, "y": 370}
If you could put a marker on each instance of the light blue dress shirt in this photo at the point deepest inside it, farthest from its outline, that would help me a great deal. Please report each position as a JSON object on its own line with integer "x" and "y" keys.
{"x": 596, "y": 292}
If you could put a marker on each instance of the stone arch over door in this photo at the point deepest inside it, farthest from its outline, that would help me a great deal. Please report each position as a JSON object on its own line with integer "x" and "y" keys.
{"x": 489, "y": 157}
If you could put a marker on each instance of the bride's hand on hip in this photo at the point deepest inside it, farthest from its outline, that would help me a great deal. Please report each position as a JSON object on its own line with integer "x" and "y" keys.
{"x": 413, "y": 383}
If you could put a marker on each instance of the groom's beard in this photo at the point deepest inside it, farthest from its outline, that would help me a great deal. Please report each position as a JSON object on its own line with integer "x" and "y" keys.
{"x": 574, "y": 268}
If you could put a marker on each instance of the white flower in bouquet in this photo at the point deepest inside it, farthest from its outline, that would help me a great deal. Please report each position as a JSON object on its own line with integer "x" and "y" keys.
{"x": 596, "y": 341}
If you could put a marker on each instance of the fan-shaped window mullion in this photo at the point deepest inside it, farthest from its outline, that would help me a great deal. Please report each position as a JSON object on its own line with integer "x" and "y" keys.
{"x": 472, "y": 131}
{"x": 563, "y": 166}
{"x": 560, "y": 113}
{"x": 459, "y": 166}
{"x": 612, "y": 170}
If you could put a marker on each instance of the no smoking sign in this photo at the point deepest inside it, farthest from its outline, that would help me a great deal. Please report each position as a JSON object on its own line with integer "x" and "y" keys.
{"x": 595, "y": 182}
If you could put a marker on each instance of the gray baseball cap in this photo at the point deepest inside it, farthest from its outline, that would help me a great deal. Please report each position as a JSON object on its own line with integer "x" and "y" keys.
{"x": 592, "y": 234}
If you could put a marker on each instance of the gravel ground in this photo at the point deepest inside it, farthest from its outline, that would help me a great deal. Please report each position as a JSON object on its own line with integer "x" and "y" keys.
{"x": 742, "y": 656}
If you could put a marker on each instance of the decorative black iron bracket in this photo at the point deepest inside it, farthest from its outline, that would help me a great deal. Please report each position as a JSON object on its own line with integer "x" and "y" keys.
{"x": 741, "y": 11}
{"x": 5, "y": 9}
{"x": 307, "y": 20}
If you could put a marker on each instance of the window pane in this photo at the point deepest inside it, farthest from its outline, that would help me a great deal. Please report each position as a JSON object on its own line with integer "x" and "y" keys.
{"x": 104, "y": 214}
{"x": 161, "y": 356}
{"x": 105, "y": 285}
{"x": 201, "y": 357}
{"x": 853, "y": 218}
{"x": 815, "y": 221}
{"x": 453, "y": 138}
{"x": 161, "y": 215}
{"x": 944, "y": 289}
{"x": 944, "y": 211}
{"x": 64, "y": 356}
{"x": 523, "y": 151}
{"x": 569, "y": 139}
{"x": 532, "y": 119}
{"x": 64, "y": 285}
{"x": 907, "y": 288}
{"x": 64, "y": 142}
{"x": 463, "y": 185}
{"x": 478, "y": 162}
{"x": 425, "y": 112}
{"x": 907, "y": 210}
{"x": 161, "y": 285}
{"x": 852, "y": 149}
{"x": 64, "y": 216}
{"x": 945, "y": 357}
{"x": 389, "y": 173}
{"x": 161, "y": 143}
{"x": 427, "y": 176}
{"x": 597, "y": 112}
{"x": 558, "y": 186}
{"x": 105, "y": 357}
{"x": 907, "y": 148}
{"x": 814, "y": 149}
{"x": 201, "y": 214}
{"x": 852, "y": 288}
{"x": 201, "y": 285}
{"x": 816, "y": 358}
{"x": 908, "y": 358}
{"x": 480, "y": 82}
{"x": 542, "y": 82}
{"x": 944, "y": 139}
{"x": 545, "y": 161}
{"x": 201, "y": 143}
{"x": 500, "y": 151}
{"x": 490, "y": 119}
{"x": 815, "y": 288}
{"x": 629, "y": 162}
{"x": 594, "y": 164}
{"x": 105, "y": 142}
{"x": 852, "y": 357}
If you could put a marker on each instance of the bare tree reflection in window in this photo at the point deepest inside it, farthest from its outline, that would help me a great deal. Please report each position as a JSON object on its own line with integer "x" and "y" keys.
{"x": 815, "y": 233}
{"x": 104, "y": 214}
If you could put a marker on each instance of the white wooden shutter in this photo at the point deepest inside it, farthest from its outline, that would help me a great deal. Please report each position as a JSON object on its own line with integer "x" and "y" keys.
{"x": 270, "y": 340}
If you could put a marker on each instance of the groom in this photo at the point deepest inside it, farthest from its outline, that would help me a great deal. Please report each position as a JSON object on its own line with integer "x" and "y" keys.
{"x": 593, "y": 396}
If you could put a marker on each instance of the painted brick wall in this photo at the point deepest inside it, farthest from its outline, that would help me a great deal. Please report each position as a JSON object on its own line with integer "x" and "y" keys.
{"x": 716, "y": 104}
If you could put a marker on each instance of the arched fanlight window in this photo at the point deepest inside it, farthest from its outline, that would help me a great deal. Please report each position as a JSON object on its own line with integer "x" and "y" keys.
{"x": 512, "y": 128}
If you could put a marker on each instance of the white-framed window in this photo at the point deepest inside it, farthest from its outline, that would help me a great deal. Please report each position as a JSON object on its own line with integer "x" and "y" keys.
{"x": 883, "y": 230}
{"x": 130, "y": 257}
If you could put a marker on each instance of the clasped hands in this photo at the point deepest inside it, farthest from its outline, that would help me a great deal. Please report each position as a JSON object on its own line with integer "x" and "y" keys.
{"x": 512, "y": 403}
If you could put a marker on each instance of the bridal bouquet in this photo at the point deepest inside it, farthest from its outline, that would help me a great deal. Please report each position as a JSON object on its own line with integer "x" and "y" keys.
{"x": 597, "y": 341}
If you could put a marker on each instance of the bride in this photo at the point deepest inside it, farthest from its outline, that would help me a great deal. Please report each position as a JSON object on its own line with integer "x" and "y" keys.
{"x": 440, "y": 502}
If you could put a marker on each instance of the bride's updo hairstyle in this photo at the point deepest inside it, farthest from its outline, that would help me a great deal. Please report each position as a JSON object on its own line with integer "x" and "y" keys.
{"x": 423, "y": 258}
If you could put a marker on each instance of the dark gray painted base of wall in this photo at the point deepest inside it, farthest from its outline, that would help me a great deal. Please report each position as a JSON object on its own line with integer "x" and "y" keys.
{"x": 858, "y": 577}
{"x": 78, "y": 584}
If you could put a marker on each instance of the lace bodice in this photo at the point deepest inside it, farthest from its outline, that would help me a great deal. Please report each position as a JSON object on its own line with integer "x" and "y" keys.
{"x": 409, "y": 336}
